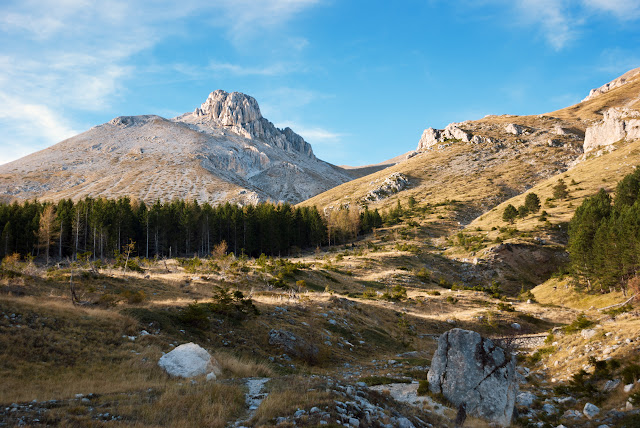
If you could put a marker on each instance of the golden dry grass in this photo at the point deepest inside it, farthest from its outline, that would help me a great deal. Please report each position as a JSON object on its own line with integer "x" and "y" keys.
{"x": 562, "y": 293}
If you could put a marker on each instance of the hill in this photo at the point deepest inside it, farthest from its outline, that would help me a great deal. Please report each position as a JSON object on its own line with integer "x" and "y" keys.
{"x": 223, "y": 151}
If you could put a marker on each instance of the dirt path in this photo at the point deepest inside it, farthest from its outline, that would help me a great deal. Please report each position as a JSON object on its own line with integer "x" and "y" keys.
{"x": 253, "y": 398}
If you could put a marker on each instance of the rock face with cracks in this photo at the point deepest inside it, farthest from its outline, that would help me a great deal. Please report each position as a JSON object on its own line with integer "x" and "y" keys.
{"x": 189, "y": 360}
{"x": 472, "y": 371}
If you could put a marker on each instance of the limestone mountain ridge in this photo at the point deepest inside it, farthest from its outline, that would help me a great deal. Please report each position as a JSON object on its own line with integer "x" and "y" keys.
{"x": 225, "y": 150}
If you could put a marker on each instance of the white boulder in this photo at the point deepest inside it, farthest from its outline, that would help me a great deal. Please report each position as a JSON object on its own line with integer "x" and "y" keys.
{"x": 189, "y": 360}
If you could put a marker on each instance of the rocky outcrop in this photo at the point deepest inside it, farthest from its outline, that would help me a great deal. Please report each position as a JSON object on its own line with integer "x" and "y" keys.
{"x": 392, "y": 184}
{"x": 514, "y": 129}
{"x": 453, "y": 132}
{"x": 241, "y": 114}
{"x": 189, "y": 360}
{"x": 617, "y": 124}
{"x": 625, "y": 78}
{"x": 472, "y": 372}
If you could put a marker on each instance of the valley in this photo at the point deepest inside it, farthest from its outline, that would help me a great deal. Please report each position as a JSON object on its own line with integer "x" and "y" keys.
{"x": 341, "y": 331}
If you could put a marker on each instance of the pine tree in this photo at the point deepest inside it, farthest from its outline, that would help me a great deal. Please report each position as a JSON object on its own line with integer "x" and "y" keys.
{"x": 532, "y": 203}
{"x": 509, "y": 214}
{"x": 560, "y": 190}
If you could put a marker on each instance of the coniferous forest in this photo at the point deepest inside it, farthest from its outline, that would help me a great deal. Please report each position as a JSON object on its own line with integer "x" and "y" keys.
{"x": 178, "y": 228}
{"x": 604, "y": 238}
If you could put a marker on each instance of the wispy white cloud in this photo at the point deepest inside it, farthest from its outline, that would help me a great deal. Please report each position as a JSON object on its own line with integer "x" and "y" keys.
{"x": 313, "y": 133}
{"x": 622, "y": 9}
{"x": 561, "y": 22}
{"x": 63, "y": 56}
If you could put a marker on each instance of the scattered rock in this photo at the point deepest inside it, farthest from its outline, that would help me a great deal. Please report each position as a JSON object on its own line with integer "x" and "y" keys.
{"x": 610, "y": 385}
{"x": 526, "y": 399}
{"x": 590, "y": 410}
{"x": 189, "y": 360}
{"x": 467, "y": 368}
{"x": 588, "y": 333}
{"x": 293, "y": 344}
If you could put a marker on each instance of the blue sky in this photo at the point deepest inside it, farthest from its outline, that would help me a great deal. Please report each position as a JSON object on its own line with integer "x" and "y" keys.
{"x": 360, "y": 80}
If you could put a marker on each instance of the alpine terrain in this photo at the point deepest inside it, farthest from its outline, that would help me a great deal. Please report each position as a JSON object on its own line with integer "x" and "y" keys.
{"x": 488, "y": 278}
{"x": 223, "y": 151}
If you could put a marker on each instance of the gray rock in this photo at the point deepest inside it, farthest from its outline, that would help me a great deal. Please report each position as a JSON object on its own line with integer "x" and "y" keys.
{"x": 404, "y": 423}
{"x": 590, "y": 410}
{"x": 354, "y": 422}
{"x": 188, "y": 360}
{"x": 467, "y": 368}
{"x": 610, "y": 385}
{"x": 293, "y": 344}
{"x": 516, "y": 326}
{"x": 526, "y": 399}
{"x": 588, "y": 333}
{"x": 549, "y": 409}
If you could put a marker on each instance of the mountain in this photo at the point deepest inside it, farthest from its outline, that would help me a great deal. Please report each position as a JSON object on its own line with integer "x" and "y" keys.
{"x": 481, "y": 163}
{"x": 223, "y": 151}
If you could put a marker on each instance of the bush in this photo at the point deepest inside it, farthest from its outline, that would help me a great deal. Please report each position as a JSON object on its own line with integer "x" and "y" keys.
{"x": 630, "y": 374}
{"x": 581, "y": 322}
{"x": 382, "y": 380}
{"x": 423, "y": 388}
{"x": 506, "y": 307}
{"x": 424, "y": 275}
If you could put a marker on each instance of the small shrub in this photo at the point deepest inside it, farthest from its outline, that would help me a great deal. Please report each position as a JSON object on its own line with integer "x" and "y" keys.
{"x": 537, "y": 356}
{"x": 423, "y": 388}
{"x": 452, "y": 300}
{"x": 424, "y": 275}
{"x": 382, "y": 380}
{"x": 506, "y": 307}
{"x": 630, "y": 374}
{"x": 581, "y": 322}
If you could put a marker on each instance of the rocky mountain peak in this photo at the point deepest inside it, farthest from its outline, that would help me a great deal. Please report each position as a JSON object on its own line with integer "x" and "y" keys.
{"x": 625, "y": 78}
{"x": 230, "y": 109}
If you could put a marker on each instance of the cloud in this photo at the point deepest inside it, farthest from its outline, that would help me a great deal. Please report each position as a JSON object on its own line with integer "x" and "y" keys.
{"x": 553, "y": 18}
{"x": 622, "y": 9}
{"x": 561, "y": 22}
{"x": 312, "y": 133}
{"x": 61, "y": 58}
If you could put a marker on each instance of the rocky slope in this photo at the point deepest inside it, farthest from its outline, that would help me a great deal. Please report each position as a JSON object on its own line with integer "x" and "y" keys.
{"x": 223, "y": 151}
{"x": 484, "y": 162}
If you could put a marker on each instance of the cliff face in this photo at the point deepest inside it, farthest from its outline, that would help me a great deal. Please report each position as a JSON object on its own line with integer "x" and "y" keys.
{"x": 240, "y": 113}
{"x": 617, "y": 124}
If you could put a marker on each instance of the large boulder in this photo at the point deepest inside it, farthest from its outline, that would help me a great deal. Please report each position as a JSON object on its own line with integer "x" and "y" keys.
{"x": 473, "y": 372}
{"x": 189, "y": 360}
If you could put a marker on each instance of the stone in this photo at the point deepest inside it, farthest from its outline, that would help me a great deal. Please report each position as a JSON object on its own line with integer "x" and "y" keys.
{"x": 293, "y": 344}
{"x": 516, "y": 326}
{"x": 471, "y": 370}
{"x": 628, "y": 387}
{"x": 404, "y": 423}
{"x": 526, "y": 399}
{"x": 549, "y": 409}
{"x": 588, "y": 333}
{"x": 610, "y": 385}
{"x": 189, "y": 360}
{"x": 514, "y": 129}
{"x": 590, "y": 410}
{"x": 354, "y": 422}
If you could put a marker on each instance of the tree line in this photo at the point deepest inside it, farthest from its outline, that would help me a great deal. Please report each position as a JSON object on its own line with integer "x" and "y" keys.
{"x": 177, "y": 228}
{"x": 604, "y": 238}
